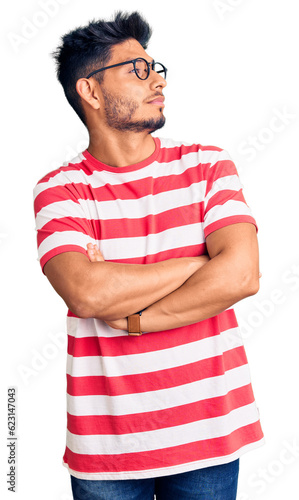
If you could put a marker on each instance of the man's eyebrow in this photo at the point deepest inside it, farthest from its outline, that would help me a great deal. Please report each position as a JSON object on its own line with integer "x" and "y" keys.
{"x": 151, "y": 61}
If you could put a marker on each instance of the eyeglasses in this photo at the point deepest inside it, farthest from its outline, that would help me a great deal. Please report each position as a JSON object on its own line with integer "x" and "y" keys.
{"x": 141, "y": 67}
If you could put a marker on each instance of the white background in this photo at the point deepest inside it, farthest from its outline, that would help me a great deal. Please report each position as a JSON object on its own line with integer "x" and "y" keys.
{"x": 233, "y": 79}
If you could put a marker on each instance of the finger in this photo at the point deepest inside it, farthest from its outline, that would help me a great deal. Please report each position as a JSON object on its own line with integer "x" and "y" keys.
{"x": 94, "y": 253}
{"x": 98, "y": 255}
{"x": 91, "y": 252}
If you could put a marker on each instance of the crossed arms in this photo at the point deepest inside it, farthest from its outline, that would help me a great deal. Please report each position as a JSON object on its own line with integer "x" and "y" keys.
{"x": 174, "y": 293}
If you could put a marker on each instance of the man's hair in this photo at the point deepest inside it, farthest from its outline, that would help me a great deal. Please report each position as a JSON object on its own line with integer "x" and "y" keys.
{"x": 89, "y": 47}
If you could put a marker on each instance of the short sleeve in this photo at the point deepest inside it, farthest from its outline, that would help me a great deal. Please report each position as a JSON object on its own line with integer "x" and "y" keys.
{"x": 224, "y": 200}
{"x": 61, "y": 222}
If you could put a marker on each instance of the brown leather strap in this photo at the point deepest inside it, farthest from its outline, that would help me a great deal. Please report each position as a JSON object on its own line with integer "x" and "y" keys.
{"x": 134, "y": 324}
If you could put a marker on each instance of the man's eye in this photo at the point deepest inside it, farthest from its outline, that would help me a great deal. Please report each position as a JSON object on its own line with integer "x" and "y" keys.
{"x": 138, "y": 70}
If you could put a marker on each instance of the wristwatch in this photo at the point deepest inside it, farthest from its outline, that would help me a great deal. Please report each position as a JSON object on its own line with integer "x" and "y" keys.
{"x": 134, "y": 324}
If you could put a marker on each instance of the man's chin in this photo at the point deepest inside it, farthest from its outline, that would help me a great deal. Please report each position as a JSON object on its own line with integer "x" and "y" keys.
{"x": 153, "y": 125}
{"x": 144, "y": 125}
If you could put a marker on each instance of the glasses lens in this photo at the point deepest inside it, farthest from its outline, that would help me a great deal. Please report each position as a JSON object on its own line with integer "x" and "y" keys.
{"x": 141, "y": 69}
{"x": 159, "y": 68}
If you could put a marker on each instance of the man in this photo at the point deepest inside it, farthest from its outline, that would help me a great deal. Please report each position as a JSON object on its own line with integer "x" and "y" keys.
{"x": 140, "y": 234}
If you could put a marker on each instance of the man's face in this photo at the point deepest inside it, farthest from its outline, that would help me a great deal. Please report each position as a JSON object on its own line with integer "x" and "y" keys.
{"x": 128, "y": 103}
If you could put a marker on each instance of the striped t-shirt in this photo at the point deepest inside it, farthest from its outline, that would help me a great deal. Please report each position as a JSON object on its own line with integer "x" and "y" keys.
{"x": 166, "y": 402}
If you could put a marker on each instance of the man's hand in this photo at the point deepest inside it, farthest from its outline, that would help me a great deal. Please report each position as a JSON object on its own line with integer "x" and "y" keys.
{"x": 118, "y": 324}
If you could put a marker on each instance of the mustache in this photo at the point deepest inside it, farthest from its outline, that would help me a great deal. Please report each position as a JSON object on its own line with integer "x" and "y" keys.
{"x": 157, "y": 94}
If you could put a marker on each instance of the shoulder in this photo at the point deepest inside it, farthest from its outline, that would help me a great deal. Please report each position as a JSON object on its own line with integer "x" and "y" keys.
{"x": 172, "y": 143}
{"x": 69, "y": 172}
{"x": 59, "y": 185}
{"x": 202, "y": 154}
{"x": 73, "y": 165}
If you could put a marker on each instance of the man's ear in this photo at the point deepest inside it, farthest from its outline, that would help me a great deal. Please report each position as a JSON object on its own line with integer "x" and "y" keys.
{"x": 87, "y": 90}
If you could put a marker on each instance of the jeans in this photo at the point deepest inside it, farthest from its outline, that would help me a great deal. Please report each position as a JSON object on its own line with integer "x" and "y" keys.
{"x": 211, "y": 483}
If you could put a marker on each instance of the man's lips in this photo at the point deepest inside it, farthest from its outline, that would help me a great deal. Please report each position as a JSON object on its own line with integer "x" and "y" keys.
{"x": 158, "y": 100}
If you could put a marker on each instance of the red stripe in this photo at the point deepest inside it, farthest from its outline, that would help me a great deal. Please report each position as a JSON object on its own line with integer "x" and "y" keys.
{"x": 126, "y": 228}
{"x": 227, "y": 221}
{"x": 151, "y": 224}
{"x": 79, "y": 225}
{"x": 160, "y": 419}
{"x": 156, "y": 380}
{"x": 70, "y": 314}
{"x": 154, "y": 341}
{"x": 167, "y": 457}
{"x": 222, "y": 197}
{"x": 175, "y": 253}
{"x": 185, "y": 251}
{"x": 220, "y": 169}
{"x": 58, "y": 250}
{"x": 54, "y": 195}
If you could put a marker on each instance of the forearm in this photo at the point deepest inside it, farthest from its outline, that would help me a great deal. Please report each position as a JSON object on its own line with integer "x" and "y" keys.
{"x": 123, "y": 288}
{"x": 212, "y": 289}
{"x": 110, "y": 290}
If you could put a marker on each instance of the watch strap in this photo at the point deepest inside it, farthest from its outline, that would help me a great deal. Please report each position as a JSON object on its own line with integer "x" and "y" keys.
{"x": 134, "y": 324}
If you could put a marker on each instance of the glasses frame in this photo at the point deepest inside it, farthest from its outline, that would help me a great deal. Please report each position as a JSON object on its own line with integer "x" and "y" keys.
{"x": 150, "y": 65}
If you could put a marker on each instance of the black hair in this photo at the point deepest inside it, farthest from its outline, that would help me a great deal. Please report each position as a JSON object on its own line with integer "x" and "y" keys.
{"x": 89, "y": 47}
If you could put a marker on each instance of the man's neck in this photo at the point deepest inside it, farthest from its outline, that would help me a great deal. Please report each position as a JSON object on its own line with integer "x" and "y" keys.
{"x": 121, "y": 149}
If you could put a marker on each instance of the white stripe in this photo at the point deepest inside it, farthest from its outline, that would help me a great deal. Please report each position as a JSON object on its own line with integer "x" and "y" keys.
{"x": 163, "y": 438}
{"x": 64, "y": 238}
{"x": 231, "y": 182}
{"x": 78, "y": 159}
{"x": 91, "y": 327}
{"x": 59, "y": 210}
{"x": 120, "y": 209}
{"x": 141, "y": 246}
{"x": 134, "y": 364}
{"x": 207, "y": 155}
{"x": 168, "y": 143}
{"x": 62, "y": 177}
{"x": 163, "y": 399}
{"x": 128, "y": 248}
{"x": 229, "y": 209}
{"x": 165, "y": 471}
{"x": 149, "y": 205}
